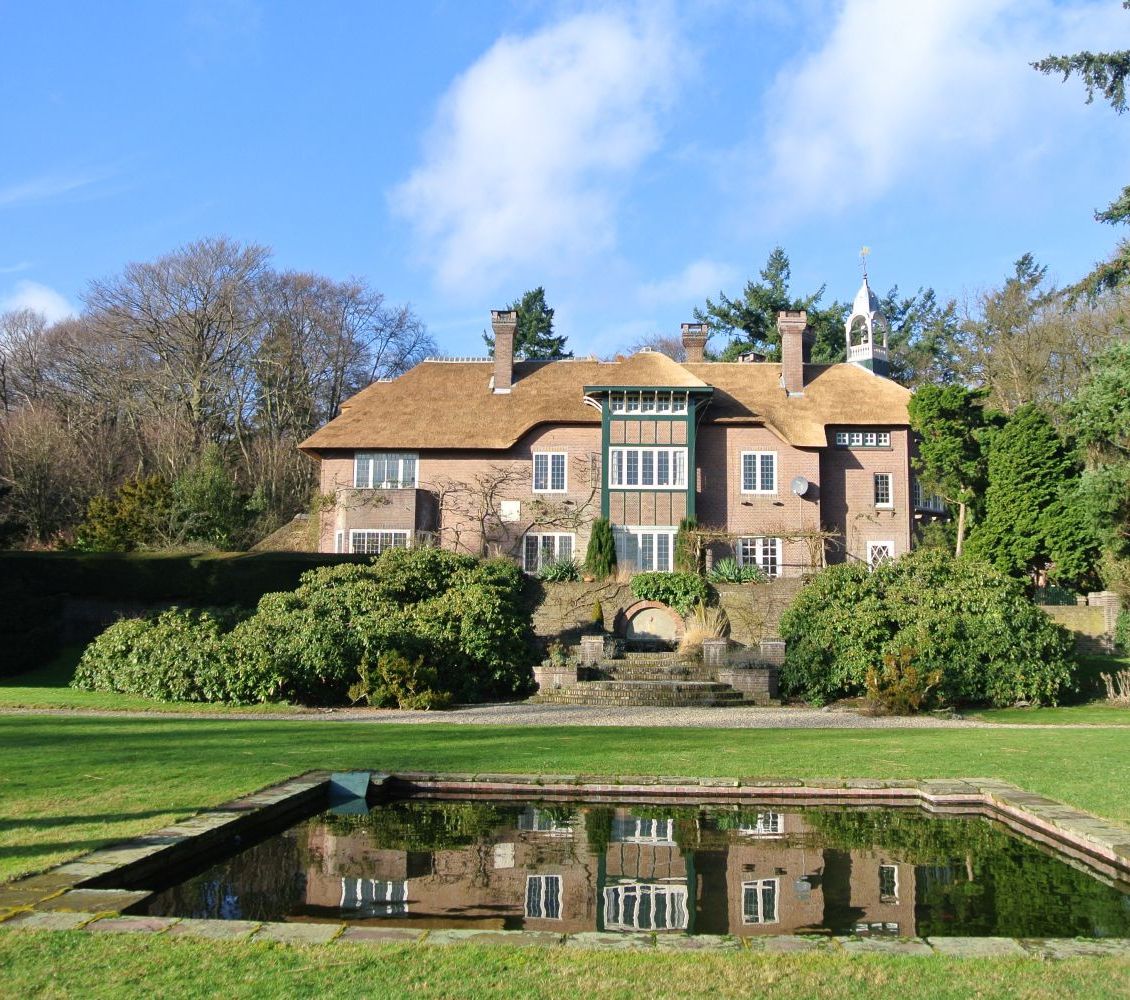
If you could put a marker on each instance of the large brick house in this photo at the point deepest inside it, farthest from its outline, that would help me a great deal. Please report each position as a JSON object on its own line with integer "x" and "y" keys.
{"x": 788, "y": 464}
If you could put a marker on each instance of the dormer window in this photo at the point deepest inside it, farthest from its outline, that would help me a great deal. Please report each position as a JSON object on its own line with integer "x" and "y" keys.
{"x": 647, "y": 401}
{"x": 384, "y": 470}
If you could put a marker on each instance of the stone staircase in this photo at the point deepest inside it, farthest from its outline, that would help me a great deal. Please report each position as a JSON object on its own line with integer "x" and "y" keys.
{"x": 647, "y": 679}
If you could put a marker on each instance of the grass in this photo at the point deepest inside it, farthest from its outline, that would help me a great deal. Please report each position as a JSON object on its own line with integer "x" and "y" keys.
{"x": 88, "y": 965}
{"x": 1098, "y": 714}
{"x": 49, "y": 687}
{"x": 70, "y": 784}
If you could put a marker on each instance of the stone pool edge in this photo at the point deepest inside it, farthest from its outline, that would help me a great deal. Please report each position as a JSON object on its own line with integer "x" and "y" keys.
{"x": 68, "y": 897}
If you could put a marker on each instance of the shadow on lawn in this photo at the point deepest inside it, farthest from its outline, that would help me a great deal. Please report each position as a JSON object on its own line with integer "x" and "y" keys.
{"x": 46, "y": 822}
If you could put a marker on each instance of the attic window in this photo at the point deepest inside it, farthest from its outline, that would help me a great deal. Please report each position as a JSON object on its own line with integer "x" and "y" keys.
{"x": 647, "y": 402}
{"x": 384, "y": 470}
{"x": 863, "y": 439}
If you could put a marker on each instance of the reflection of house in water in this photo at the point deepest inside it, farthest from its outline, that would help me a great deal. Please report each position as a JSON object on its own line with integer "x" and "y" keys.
{"x": 597, "y": 868}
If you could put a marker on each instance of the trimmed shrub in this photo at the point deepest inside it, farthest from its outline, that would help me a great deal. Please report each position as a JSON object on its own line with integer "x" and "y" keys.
{"x": 961, "y": 617}
{"x": 600, "y": 558}
{"x": 681, "y": 591}
{"x": 688, "y": 556}
{"x": 463, "y": 616}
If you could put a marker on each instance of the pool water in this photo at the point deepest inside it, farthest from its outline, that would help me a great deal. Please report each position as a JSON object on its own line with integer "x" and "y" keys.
{"x": 700, "y": 870}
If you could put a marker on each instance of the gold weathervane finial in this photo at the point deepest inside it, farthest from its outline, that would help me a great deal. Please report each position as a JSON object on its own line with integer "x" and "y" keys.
{"x": 864, "y": 252}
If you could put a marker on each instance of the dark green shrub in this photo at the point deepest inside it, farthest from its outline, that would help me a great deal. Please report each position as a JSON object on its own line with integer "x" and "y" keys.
{"x": 961, "y": 617}
{"x": 138, "y": 514}
{"x": 600, "y": 558}
{"x": 1122, "y": 631}
{"x": 560, "y": 571}
{"x": 398, "y": 682}
{"x": 688, "y": 553}
{"x": 731, "y": 571}
{"x": 898, "y": 687}
{"x": 681, "y": 591}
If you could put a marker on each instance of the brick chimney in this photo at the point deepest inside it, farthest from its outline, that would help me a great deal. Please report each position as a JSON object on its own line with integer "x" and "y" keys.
{"x": 504, "y": 322}
{"x": 694, "y": 341}
{"x": 796, "y": 349}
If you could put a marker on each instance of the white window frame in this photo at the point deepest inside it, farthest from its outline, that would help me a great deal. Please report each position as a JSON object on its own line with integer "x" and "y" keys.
{"x": 871, "y": 549}
{"x": 622, "y": 457}
{"x": 542, "y": 559}
{"x": 769, "y": 824}
{"x": 932, "y": 502}
{"x": 889, "y": 503}
{"x": 647, "y": 551}
{"x": 551, "y": 458}
{"x": 863, "y": 439}
{"x": 375, "y": 897}
{"x": 368, "y": 460}
{"x": 625, "y": 903}
{"x": 758, "y": 458}
{"x": 756, "y": 914}
{"x": 381, "y": 546}
{"x": 540, "y": 910}
{"x": 762, "y": 551}
{"x": 653, "y": 401}
{"x": 893, "y": 896}
{"x": 339, "y": 542}
{"x": 643, "y": 830}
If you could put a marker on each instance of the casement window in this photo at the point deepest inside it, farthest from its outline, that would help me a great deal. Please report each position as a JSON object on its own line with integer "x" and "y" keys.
{"x": 339, "y": 541}
{"x": 926, "y": 501}
{"x": 759, "y": 901}
{"x": 374, "y": 897}
{"x": 884, "y": 490}
{"x": 637, "y": 830}
{"x": 645, "y": 906}
{"x": 768, "y": 825}
{"x": 888, "y": 884}
{"x": 647, "y": 402}
{"x": 764, "y": 553}
{"x": 647, "y": 549}
{"x": 384, "y": 470}
{"x": 539, "y": 549}
{"x": 879, "y": 553}
{"x": 647, "y": 468}
{"x": 863, "y": 439}
{"x": 759, "y": 472}
{"x": 549, "y": 471}
{"x": 543, "y": 897}
{"x": 373, "y": 543}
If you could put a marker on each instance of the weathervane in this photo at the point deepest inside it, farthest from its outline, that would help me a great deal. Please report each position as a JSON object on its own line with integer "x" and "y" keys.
{"x": 863, "y": 254}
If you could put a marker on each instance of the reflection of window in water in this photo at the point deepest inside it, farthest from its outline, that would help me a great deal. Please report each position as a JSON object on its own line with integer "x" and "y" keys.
{"x": 759, "y": 901}
{"x": 645, "y": 906}
{"x": 631, "y": 830}
{"x": 767, "y": 825}
{"x": 531, "y": 820}
{"x": 543, "y": 896}
{"x": 888, "y": 927}
{"x": 374, "y": 897}
{"x": 888, "y": 884}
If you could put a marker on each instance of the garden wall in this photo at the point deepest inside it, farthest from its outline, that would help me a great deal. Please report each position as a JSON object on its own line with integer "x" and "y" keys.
{"x": 1092, "y": 623}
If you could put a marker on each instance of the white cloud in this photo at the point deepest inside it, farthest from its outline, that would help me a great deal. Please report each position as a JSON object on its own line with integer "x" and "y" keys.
{"x": 44, "y": 187}
{"x": 691, "y": 285}
{"x": 33, "y": 295}
{"x": 901, "y": 87}
{"x": 523, "y": 161}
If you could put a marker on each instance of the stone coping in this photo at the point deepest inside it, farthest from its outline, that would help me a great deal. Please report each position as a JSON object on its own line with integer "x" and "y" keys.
{"x": 88, "y": 893}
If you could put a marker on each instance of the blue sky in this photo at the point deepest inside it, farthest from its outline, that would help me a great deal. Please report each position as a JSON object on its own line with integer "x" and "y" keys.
{"x": 631, "y": 158}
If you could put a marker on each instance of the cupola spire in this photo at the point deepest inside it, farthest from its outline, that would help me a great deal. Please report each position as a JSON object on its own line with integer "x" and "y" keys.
{"x": 867, "y": 329}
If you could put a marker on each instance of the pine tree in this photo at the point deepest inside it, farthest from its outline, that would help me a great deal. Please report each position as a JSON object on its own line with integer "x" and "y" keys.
{"x": 600, "y": 558}
{"x": 687, "y": 555}
{"x": 534, "y": 339}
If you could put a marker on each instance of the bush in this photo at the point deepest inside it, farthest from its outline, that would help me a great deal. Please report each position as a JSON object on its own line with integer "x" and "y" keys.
{"x": 600, "y": 558}
{"x": 681, "y": 591}
{"x": 899, "y": 687}
{"x": 703, "y": 623}
{"x": 688, "y": 553}
{"x": 397, "y": 682}
{"x": 961, "y": 617}
{"x": 462, "y": 615}
{"x": 730, "y": 571}
{"x": 1122, "y": 631}
{"x": 560, "y": 571}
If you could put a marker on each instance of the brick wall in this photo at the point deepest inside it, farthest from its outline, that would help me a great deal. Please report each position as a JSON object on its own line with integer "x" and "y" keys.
{"x": 1088, "y": 624}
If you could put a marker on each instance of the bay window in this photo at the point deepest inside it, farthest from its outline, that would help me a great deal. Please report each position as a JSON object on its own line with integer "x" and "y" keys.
{"x": 638, "y": 468}
{"x": 384, "y": 470}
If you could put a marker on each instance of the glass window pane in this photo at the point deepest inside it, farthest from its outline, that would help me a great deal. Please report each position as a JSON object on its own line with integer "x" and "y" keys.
{"x": 663, "y": 551}
{"x": 557, "y": 476}
{"x": 663, "y": 468}
{"x": 769, "y": 473}
{"x": 408, "y": 473}
{"x": 548, "y": 544}
{"x": 362, "y": 470}
{"x": 530, "y": 563}
{"x": 647, "y": 461}
{"x": 647, "y": 551}
{"x": 564, "y": 546}
{"x": 541, "y": 472}
{"x": 633, "y": 468}
{"x": 749, "y": 471}
{"x": 680, "y": 468}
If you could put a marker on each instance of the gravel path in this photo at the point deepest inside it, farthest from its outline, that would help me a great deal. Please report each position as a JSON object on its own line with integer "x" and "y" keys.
{"x": 526, "y": 714}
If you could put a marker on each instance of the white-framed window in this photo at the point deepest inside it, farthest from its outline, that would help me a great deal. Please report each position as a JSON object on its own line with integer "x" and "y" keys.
{"x": 888, "y": 884}
{"x": 339, "y": 541}
{"x": 645, "y": 906}
{"x": 539, "y": 548}
{"x": 543, "y": 897}
{"x": 759, "y": 472}
{"x": 532, "y": 820}
{"x": 926, "y": 501}
{"x": 879, "y": 553}
{"x": 759, "y": 901}
{"x": 373, "y": 542}
{"x": 647, "y": 549}
{"x": 645, "y": 401}
{"x": 884, "y": 490}
{"x": 374, "y": 897}
{"x": 863, "y": 439}
{"x": 768, "y": 824}
{"x": 384, "y": 470}
{"x": 647, "y": 468}
{"x": 764, "y": 553}
{"x": 550, "y": 471}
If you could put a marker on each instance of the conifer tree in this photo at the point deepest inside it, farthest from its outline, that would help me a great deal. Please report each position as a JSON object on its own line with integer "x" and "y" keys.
{"x": 600, "y": 558}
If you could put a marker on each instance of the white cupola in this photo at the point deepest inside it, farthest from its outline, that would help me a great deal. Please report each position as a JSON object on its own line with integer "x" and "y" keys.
{"x": 867, "y": 330}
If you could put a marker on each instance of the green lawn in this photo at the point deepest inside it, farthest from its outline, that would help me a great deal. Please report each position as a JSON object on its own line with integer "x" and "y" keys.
{"x": 86, "y": 965}
{"x": 49, "y": 688}
{"x": 1098, "y": 714}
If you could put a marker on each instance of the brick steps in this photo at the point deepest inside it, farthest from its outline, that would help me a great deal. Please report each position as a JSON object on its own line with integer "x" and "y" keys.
{"x": 667, "y": 693}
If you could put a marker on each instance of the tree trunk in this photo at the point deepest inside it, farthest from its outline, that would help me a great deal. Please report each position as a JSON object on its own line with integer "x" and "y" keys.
{"x": 960, "y": 528}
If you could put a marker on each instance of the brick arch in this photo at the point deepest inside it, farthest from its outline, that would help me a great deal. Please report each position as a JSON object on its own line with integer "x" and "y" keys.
{"x": 630, "y": 612}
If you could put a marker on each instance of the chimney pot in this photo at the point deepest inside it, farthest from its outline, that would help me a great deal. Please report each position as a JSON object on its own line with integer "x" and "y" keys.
{"x": 796, "y": 348}
{"x": 504, "y": 322}
{"x": 694, "y": 341}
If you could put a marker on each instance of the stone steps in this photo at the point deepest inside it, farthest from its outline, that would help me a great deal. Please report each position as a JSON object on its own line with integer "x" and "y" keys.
{"x": 666, "y": 693}
{"x": 652, "y": 672}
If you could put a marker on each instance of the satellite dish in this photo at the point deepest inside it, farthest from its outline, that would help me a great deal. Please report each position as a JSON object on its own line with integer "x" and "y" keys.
{"x": 800, "y": 486}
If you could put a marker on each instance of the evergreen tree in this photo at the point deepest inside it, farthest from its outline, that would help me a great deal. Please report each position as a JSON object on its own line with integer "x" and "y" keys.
{"x": 534, "y": 339}
{"x": 600, "y": 558}
{"x": 688, "y": 556}
{"x": 1030, "y": 517}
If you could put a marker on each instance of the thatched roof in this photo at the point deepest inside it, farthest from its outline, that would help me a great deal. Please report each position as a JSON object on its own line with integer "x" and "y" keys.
{"x": 449, "y": 404}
